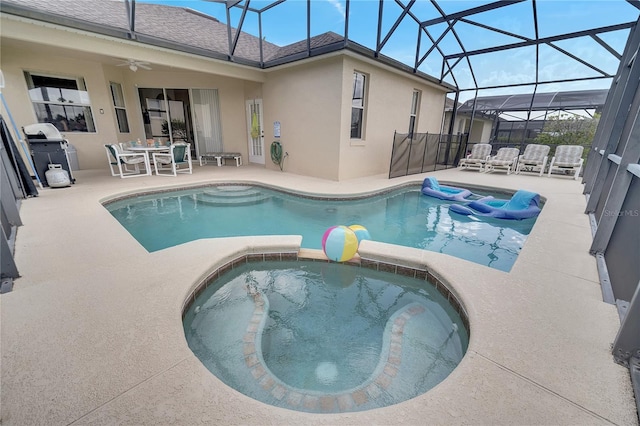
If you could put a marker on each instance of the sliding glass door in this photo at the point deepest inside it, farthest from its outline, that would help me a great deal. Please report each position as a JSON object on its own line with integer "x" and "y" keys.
{"x": 166, "y": 114}
{"x": 177, "y": 115}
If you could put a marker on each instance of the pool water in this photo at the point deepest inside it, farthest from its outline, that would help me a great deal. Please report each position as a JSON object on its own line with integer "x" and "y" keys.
{"x": 325, "y": 337}
{"x": 403, "y": 216}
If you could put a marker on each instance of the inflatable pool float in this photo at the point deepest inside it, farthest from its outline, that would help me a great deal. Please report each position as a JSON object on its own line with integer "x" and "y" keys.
{"x": 432, "y": 188}
{"x": 522, "y": 205}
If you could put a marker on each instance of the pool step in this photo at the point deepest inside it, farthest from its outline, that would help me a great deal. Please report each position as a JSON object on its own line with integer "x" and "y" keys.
{"x": 242, "y": 196}
{"x": 231, "y": 191}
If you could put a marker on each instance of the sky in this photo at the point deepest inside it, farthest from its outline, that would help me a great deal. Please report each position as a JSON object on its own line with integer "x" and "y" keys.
{"x": 287, "y": 23}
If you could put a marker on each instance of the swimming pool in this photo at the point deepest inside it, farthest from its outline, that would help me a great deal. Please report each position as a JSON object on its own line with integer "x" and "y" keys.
{"x": 325, "y": 337}
{"x": 401, "y": 216}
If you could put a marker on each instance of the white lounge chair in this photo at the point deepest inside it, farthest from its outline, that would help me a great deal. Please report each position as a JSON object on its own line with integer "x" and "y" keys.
{"x": 480, "y": 152}
{"x": 179, "y": 155}
{"x": 534, "y": 159}
{"x": 505, "y": 158}
{"x": 126, "y": 164}
{"x": 567, "y": 158}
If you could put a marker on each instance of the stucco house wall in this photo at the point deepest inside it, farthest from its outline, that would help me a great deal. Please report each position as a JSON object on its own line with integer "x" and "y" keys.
{"x": 480, "y": 131}
{"x": 306, "y": 99}
{"x": 16, "y": 61}
{"x": 458, "y": 125}
{"x": 231, "y": 93}
{"x": 312, "y": 101}
{"x": 97, "y": 77}
{"x": 388, "y": 107}
{"x": 310, "y": 98}
{"x": 35, "y": 48}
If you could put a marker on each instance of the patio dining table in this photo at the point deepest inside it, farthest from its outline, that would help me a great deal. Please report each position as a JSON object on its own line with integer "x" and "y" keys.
{"x": 147, "y": 151}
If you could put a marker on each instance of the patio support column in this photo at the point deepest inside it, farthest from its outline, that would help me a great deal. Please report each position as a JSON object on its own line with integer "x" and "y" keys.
{"x": 346, "y": 20}
{"x": 608, "y": 137}
{"x": 232, "y": 46}
{"x": 379, "y": 32}
{"x": 308, "y": 27}
{"x": 626, "y": 347}
{"x": 473, "y": 114}
{"x": 9, "y": 218}
{"x": 451, "y": 125}
{"x": 131, "y": 17}
{"x": 229, "y": 37}
{"x": 10, "y": 214}
{"x": 523, "y": 142}
{"x": 454, "y": 113}
{"x": 260, "y": 41}
{"x": 495, "y": 127}
{"x": 630, "y": 143}
{"x": 8, "y": 268}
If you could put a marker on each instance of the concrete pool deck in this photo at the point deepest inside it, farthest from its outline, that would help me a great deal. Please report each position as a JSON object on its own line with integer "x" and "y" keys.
{"x": 92, "y": 331}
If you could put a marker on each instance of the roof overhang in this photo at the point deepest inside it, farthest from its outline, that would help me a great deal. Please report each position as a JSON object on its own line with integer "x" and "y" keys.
{"x": 110, "y": 46}
{"x": 18, "y": 13}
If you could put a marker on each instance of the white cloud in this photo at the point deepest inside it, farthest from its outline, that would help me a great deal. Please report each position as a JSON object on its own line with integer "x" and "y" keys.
{"x": 339, "y": 7}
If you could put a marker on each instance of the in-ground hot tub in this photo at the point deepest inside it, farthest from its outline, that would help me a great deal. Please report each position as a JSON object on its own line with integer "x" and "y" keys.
{"x": 325, "y": 337}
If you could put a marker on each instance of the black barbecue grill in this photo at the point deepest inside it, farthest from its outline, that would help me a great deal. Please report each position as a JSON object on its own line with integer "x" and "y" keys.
{"x": 47, "y": 147}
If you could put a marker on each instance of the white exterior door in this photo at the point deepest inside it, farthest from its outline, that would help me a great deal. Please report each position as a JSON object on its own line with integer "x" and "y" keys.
{"x": 255, "y": 131}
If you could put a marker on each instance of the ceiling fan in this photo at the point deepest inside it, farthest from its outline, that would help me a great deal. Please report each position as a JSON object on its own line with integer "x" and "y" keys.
{"x": 134, "y": 65}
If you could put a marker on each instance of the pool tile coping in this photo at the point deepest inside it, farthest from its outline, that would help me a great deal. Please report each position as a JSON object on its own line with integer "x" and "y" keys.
{"x": 317, "y": 256}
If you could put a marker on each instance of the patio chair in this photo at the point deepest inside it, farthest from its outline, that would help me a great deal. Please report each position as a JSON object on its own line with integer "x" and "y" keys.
{"x": 126, "y": 164}
{"x": 505, "y": 158}
{"x": 480, "y": 152}
{"x": 567, "y": 158}
{"x": 534, "y": 158}
{"x": 179, "y": 155}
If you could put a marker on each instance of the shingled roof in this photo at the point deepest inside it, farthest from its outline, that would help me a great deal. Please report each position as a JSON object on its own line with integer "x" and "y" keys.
{"x": 187, "y": 30}
{"x": 301, "y": 46}
{"x": 175, "y": 24}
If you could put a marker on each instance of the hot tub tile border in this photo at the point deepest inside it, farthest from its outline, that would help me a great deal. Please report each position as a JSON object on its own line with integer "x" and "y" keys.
{"x": 377, "y": 265}
{"x": 344, "y": 401}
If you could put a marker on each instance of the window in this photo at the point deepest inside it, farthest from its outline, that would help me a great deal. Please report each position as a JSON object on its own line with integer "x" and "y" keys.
{"x": 61, "y": 101}
{"x": 118, "y": 104}
{"x": 413, "y": 116}
{"x": 358, "y": 104}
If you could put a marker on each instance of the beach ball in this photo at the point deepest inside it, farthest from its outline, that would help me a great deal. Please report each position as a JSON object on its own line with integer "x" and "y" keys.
{"x": 361, "y": 232}
{"x": 339, "y": 243}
